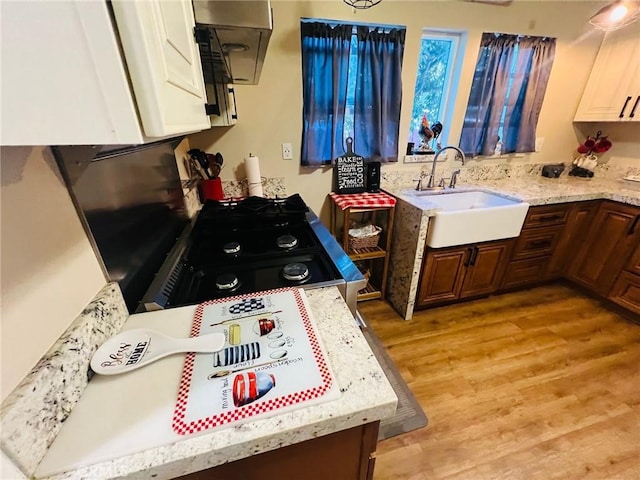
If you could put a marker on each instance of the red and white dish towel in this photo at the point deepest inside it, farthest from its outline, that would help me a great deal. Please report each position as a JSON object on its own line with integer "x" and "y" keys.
{"x": 363, "y": 200}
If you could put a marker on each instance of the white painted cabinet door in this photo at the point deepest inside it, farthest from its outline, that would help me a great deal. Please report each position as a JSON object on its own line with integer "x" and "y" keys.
{"x": 63, "y": 79}
{"x": 164, "y": 65}
{"x": 613, "y": 88}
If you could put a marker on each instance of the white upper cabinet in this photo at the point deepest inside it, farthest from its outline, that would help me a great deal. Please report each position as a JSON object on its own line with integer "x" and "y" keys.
{"x": 64, "y": 81}
{"x": 612, "y": 92}
{"x": 164, "y": 65}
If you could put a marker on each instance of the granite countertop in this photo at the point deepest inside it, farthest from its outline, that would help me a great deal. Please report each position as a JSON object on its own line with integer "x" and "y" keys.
{"x": 523, "y": 182}
{"x": 538, "y": 190}
{"x": 104, "y": 435}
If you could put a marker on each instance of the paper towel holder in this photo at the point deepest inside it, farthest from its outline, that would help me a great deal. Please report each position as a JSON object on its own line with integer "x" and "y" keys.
{"x": 245, "y": 181}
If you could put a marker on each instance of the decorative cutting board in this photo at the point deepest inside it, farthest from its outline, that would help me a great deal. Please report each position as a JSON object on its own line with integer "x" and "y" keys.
{"x": 349, "y": 171}
{"x": 272, "y": 361}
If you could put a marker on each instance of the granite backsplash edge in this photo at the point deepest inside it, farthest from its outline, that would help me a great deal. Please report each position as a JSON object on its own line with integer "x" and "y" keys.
{"x": 33, "y": 413}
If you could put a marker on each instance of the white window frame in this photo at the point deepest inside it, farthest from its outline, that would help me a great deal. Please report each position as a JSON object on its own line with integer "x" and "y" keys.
{"x": 454, "y": 66}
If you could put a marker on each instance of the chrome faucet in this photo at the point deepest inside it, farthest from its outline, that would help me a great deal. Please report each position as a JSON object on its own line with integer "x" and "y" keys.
{"x": 459, "y": 153}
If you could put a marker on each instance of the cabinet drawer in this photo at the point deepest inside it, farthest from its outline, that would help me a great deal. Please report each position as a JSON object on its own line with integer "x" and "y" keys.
{"x": 525, "y": 272}
{"x": 546, "y": 215}
{"x": 537, "y": 242}
{"x": 626, "y": 291}
{"x": 633, "y": 265}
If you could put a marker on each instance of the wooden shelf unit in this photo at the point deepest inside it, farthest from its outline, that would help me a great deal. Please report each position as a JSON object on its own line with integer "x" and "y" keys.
{"x": 376, "y": 286}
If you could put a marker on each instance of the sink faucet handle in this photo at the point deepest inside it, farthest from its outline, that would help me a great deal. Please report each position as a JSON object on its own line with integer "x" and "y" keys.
{"x": 423, "y": 175}
{"x": 454, "y": 178}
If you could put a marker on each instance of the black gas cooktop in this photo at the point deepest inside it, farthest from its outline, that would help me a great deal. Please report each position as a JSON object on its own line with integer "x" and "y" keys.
{"x": 248, "y": 245}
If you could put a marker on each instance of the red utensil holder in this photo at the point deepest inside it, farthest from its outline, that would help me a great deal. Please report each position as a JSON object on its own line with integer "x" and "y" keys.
{"x": 211, "y": 189}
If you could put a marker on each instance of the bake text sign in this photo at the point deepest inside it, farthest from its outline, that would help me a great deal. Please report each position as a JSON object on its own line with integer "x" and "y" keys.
{"x": 350, "y": 174}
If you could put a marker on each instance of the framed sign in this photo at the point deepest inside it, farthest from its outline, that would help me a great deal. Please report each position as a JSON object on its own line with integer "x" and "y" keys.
{"x": 350, "y": 172}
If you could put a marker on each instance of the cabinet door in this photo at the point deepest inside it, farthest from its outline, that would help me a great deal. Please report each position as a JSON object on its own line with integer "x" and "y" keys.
{"x": 578, "y": 224}
{"x": 613, "y": 88}
{"x": 602, "y": 256}
{"x": 63, "y": 78}
{"x": 442, "y": 274}
{"x": 164, "y": 65}
{"x": 485, "y": 269}
{"x": 626, "y": 291}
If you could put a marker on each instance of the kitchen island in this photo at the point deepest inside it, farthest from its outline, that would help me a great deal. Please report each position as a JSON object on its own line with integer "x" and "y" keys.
{"x": 114, "y": 430}
{"x": 413, "y": 214}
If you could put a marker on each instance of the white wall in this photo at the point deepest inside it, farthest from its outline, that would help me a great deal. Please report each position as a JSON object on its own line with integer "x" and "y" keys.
{"x": 271, "y": 113}
{"x": 49, "y": 272}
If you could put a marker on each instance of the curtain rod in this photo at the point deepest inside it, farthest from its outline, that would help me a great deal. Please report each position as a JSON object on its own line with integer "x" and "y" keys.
{"x": 333, "y": 23}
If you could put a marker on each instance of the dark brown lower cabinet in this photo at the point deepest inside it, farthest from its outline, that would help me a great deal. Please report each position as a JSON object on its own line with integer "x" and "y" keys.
{"x": 534, "y": 250}
{"x": 601, "y": 256}
{"x": 459, "y": 272}
{"x": 526, "y": 272}
{"x": 484, "y": 273}
{"x": 547, "y": 250}
{"x": 345, "y": 455}
{"x": 626, "y": 289}
{"x": 578, "y": 224}
{"x": 594, "y": 243}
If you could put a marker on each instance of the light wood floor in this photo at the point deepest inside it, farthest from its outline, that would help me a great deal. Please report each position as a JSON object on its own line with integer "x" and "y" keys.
{"x": 534, "y": 385}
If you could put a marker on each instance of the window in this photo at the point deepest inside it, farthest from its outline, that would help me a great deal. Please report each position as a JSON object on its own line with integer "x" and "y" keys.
{"x": 507, "y": 91}
{"x": 438, "y": 72}
{"x": 352, "y": 87}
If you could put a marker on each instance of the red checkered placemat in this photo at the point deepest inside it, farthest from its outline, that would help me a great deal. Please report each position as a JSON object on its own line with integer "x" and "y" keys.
{"x": 272, "y": 362}
{"x": 363, "y": 200}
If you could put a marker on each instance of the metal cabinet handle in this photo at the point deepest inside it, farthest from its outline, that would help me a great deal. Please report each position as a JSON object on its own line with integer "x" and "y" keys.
{"x": 633, "y": 110}
{"x": 235, "y": 107}
{"x": 540, "y": 243}
{"x": 474, "y": 256}
{"x": 624, "y": 107}
{"x": 468, "y": 260}
{"x": 550, "y": 218}
{"x": 632, "y": 228}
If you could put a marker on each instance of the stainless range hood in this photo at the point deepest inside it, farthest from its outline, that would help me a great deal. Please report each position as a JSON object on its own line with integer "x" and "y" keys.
{"x": 242, "y": 29}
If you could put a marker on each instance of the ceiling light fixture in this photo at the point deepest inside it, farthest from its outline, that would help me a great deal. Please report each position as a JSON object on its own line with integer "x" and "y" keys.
{"x": 616, "y": 15}
{"x": 361, "y": 4}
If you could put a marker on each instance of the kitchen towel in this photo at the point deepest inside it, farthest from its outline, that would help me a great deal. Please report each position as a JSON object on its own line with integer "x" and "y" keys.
{"x": 252, "y": 166}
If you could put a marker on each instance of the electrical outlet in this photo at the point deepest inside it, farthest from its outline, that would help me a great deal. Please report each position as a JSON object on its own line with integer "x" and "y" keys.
{"x": 539, "y": 143}
{"x": 287, "y": 151}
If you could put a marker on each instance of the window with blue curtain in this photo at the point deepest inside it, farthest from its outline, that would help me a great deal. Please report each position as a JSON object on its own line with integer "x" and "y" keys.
{"x": 507, "y": 92}
{"x": 369, "y": 60}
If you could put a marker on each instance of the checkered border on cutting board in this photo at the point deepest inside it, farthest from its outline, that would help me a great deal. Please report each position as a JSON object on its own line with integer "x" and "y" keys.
{"x": 183, "y": 428}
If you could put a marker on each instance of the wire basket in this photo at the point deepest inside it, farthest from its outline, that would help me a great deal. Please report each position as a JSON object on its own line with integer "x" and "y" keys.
{"x": 369, "y": 241}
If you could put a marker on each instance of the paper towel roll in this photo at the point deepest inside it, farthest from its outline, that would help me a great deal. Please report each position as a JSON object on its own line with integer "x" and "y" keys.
{"x": 252, "y": 166}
